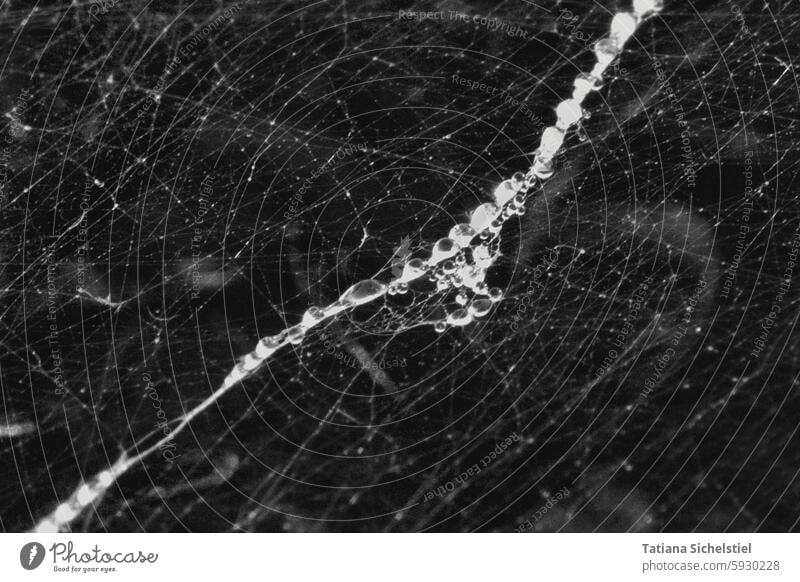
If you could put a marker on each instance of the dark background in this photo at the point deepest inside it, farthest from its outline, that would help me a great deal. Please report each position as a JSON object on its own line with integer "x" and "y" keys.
{"x": 261, "y": 101}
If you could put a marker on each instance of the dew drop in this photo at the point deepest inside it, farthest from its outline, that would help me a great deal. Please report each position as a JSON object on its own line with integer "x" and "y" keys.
{"x": 250, "y": 362}
{"x": 413, "y": 269}
{"x": 363, "y": 292}
{"x": 336, "y": 307}
{"x": 542, "y": 167}
{"x": 480, "y": 307}
{"x": 483, "y": 216}
{"x": 439, "y": 327}
{"x": 606, "y": 50}
{"x": 462, "y": 234}
{"x": 505, "y": 192}
{"x": 296, "y": 334}
{"x": 444, "y": 249}
{"x": 267, "y": 346}
{"x": 460, "y": 317}
{"x": 495, "y": 294}
{"x": 312, "y": 317}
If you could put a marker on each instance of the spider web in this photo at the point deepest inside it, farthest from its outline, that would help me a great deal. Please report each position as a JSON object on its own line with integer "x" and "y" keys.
{"x": 181, "y": 179}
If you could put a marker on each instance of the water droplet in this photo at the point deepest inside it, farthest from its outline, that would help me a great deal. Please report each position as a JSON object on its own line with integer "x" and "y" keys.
{"x": 402, "y": 288}
{"x": 505, "y": 192}
{"x": 462, "y": 234}
{"x": 542, "y": 167}
{"x": 552, "y": 138}
{"x": 606, "y": 50}
{"x": 444, "y": 249}
{"x": 623, "y": 25}
{"x": 568, "y": 113}
{"x": 364, "y": 292}
{"x": 439, "y": 327}
{"x": 495, "y": 294}
{"x": 642, "y": 7}
{"x": 483, "y": 216}
{"x": 312, "y": 316}
{"x": 413, "y": 269}
{"x": 480, "y": 307}
{"x": 250, "y": 362}
{"x": 296, "y": 334}
{"x": 267, "y": 346}
{"x": 337, "y": 307}
{"x": 459, "y": 317}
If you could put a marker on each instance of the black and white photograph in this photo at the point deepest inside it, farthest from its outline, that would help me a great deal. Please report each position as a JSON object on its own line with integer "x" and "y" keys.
{"x": 401, "y": 266}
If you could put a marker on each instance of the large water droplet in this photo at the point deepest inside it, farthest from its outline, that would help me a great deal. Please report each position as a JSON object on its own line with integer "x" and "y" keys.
{"x": 337, "y": 307}
{"x": 606, "y": 50}
{"x": 505, "y": 192}
{"x": 459, "y": 317}
{"x": 542, "y": 167}
{"x": 483, "y": 216}
{"x": 480, "y": 307}
{"x": 267, "y": 346}
{"x": 462, "y": 234}
{"x": 296, "y": 334}
{"x": 413, "y": 269}
{"x": 444, "y": 249}
{"x": 363, "y": 292}
{"x": 312, "y": 317}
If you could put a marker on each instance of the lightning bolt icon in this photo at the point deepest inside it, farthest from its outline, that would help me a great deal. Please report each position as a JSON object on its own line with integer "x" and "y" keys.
{"x": 34, "y": 551}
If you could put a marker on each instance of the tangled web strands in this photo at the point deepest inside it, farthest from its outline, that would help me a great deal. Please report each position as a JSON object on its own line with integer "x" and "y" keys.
{"x": 190, "y": 206}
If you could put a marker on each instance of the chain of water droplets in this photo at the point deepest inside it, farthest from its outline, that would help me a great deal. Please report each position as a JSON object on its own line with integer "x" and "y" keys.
{"x": 458, "y": 262}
